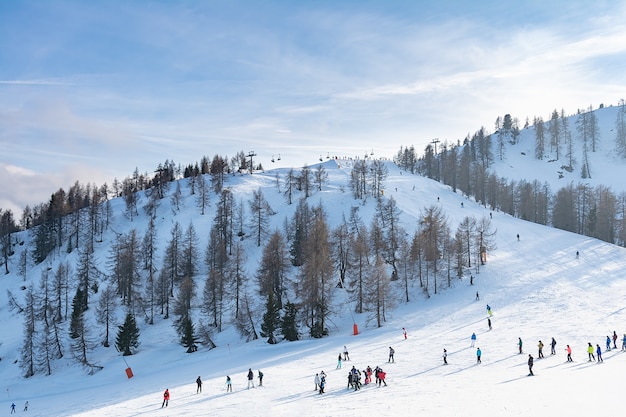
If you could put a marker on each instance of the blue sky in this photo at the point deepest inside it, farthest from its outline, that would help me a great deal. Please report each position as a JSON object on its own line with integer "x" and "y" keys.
{"x": 90, "y": 91}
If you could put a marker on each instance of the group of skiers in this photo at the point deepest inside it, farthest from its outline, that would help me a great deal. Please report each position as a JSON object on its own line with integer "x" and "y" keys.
{"x": 594, "y": 353}
{"x": 13, "y": 407}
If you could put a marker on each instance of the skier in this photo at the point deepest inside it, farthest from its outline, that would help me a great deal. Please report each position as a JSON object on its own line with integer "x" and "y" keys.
{"x": 26, "y": 406}
{"x": 519, "y": 344}
{"x": 404, "y": 333}
{"x": 590, "y": 352}
{"x": 12, "y": 408}
{"x": 489, "y": 310}
{"x": 250, "y": 378}
{"x": 229, "y": 384}
{"x": 391, "y": 353}
{"x": 260, "y": 378}
{"x": 199, "y": 384}
{"x": 553, "y": 346}
{"x": 338, "y": 362}
{"x": 478, "y": 354}
{"x": 346, "y": 357}
{"x": 614, "y": 339}
{"x": 518, "y": 237}
{"x": 445, "y": 357}
{"x": 473, "y": 338}
{"x": 599, "y": 353}
{"x": 608, "y": 343}
{"x": 540, "y": 346}
{"x": 317, "y": 382}
{"x": 624, "y": 342}
{"x": 477, "y": 296}
{"x": 577, "y": 254}
{"x": 322, "y": 382}
{"x": 569, "y": 354}
{"x": 381, "y": 377}
{"x": 530, "y": 365}
{"x": 166, "y": 398}
{"x": 489, "y": 322}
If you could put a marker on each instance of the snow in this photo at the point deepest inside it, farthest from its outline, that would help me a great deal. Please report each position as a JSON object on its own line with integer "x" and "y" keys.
{"x": 537, "y": 287}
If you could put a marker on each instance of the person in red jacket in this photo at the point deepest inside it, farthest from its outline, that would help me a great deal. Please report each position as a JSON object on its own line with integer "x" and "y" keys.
{"x": 166, "y": 398}
{"x": 381, "y": 377}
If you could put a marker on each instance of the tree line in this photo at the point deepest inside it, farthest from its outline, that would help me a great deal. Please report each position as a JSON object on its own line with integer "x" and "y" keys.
{"x": 580, "y": 208}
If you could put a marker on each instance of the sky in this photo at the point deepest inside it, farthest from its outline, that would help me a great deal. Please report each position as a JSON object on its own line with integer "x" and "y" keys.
{"x": 537, "y": 287}
{"x": 89, "y": 91}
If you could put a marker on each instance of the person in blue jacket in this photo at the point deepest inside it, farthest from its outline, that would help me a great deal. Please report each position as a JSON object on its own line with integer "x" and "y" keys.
{"x": 624, "y": 342}
{"x": 599, "y": 353}
{"x": 478, "y": 355}
{"x": 608, "y": 343}
{"x": 473, "y": 338}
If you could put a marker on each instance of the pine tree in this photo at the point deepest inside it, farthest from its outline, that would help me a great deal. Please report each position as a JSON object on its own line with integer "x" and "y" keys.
{"x": 188, "y": 334}
{"x": 288, "y": 325}
{"x": 271, "y": 319}
{"x": 127, "y": 336}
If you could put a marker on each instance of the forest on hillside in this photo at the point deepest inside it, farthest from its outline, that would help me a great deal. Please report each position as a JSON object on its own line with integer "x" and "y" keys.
{"x": 580, "y": 208}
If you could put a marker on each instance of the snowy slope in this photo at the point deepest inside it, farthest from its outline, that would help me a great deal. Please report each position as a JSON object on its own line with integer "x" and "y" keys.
{"x": 536, "y": 286}
{"x": 519, "y": 160}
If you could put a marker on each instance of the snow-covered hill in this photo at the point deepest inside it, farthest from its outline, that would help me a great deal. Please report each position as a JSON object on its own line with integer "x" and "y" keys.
{"x": 519, "y": 161}
{"x": 537, "y": 286}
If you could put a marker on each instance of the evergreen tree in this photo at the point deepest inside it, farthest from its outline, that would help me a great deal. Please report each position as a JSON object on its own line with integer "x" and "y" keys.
{"x": 188, "y": 334}
{"x": 78, "y": 308}
{"x": 271, "y": 319}
{"x": 127, "y": 336}
{"x": 288, "y": 325}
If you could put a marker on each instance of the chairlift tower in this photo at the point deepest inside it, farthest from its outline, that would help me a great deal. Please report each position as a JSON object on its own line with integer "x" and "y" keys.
{"x": 250, "y": 155}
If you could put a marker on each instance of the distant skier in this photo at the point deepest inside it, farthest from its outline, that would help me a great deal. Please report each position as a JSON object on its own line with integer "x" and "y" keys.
{"x": 608, "y": 343}
{"x": 530, "y": 365}
{"x": 12, "y": 408}
{"x": 614, "y": 339}
{"x": 391, "y": 353}
{"x": 260, "y": 375}
{"x": 553, "y": 346}
{"x": 339, "y": 362}
{"x": 473, "y": 339}
{"x": 445, "y": 357}
{"x": 317, "y": 382}
{"x": 166, "y": 398}
{"x": 590, "y": 352}
{"x": 518, "y": 237}
{"x": 26, "y": 406}
{"x": 229, "y": 384}
{"x": 540, "y": 346}
{"x": 577, "y": 254}
{"x": 199, "y": 384}
{"x": 346, "y": 357}
{"x": 477, "y": 296}
{"x": 599, "y": 353}
{"x": 250, "y": 378}
{"x": 569, "y": 354}
{"x": 478, "y": 355}
{"x": 322, "y": 383}
{"x": 489, "y": 322}
{"x": 519, "y": 344}
{"x": 624, "y": 342}
{"x": 404, "y": 333}
{"x": 489, "y": 310}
